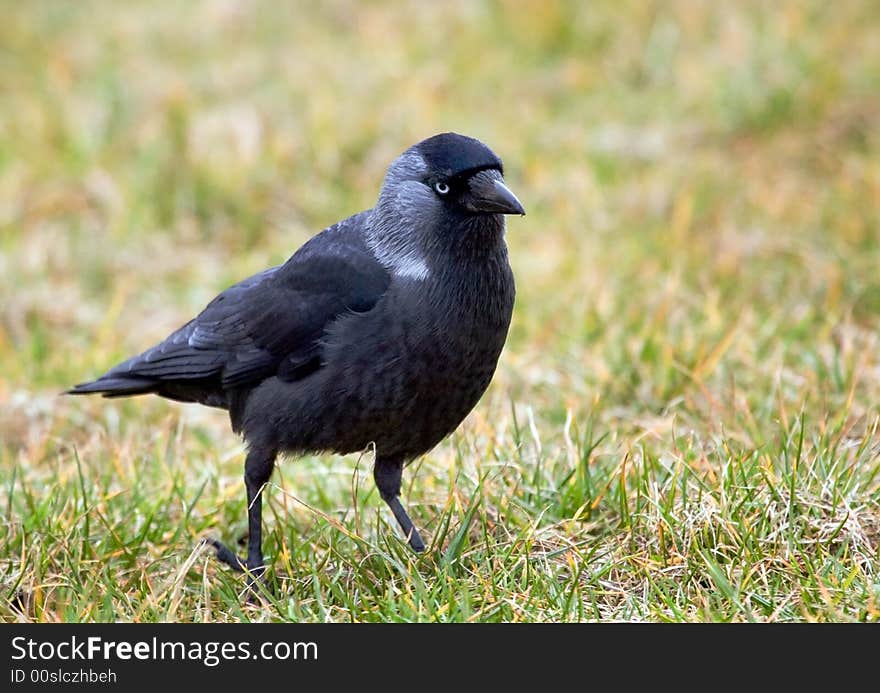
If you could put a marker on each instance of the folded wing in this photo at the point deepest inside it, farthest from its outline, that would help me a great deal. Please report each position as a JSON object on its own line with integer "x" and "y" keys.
{"x": 270, "y": 324}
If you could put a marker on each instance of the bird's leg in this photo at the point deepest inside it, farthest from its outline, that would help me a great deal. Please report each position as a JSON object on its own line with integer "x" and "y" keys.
{"x": 387, "y": 474}
{"x": 257, "y": 470}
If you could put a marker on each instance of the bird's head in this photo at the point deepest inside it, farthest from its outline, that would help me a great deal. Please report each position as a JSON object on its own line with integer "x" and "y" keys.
{"x": 444, "y": 192}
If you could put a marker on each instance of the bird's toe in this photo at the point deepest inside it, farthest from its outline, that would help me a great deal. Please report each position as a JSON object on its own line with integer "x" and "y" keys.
{"x": 415, "y": 542}
{"x": 226, "y": 555}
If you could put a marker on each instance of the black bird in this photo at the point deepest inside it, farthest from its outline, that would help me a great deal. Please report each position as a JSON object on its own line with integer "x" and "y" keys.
{"x": 384, "y": 329}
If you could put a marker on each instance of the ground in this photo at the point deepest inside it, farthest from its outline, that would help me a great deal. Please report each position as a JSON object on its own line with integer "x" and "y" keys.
{"x": 684, "y": 422}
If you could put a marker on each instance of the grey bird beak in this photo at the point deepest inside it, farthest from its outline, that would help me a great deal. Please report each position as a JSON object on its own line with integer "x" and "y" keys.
{"x": 490, "y": 195}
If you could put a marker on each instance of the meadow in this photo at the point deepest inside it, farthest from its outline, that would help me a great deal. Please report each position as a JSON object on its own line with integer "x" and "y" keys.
{"x": 684, "y": 422}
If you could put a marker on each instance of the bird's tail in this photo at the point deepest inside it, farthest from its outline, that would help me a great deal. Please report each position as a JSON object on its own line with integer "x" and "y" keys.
{"x": 114, "y": 386}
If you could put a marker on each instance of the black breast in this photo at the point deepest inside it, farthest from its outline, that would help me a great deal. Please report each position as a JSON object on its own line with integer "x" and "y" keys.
{"x": 404, "y": 375}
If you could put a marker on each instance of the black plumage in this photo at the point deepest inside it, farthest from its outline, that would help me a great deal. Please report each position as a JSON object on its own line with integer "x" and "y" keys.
{"x": 384, "y": 329}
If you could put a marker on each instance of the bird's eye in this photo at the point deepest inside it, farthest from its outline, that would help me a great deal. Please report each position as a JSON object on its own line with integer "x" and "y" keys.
{"x": 441, "y": 188}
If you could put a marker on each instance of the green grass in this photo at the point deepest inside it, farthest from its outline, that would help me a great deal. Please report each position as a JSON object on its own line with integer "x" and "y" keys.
{"x": 684, "y": 423}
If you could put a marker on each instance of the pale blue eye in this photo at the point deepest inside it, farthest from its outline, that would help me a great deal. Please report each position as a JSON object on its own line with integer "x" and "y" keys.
{"x": 441, "y": 188}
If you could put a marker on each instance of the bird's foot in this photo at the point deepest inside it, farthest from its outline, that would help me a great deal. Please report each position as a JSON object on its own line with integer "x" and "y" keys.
{"x": 406, "y": 524}
{"x": 415, "y": 541}
{"x": 226, "y": 555}
{"x": 256, "y": 583}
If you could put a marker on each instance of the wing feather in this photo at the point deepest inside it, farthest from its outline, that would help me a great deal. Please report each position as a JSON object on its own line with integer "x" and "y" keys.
{"x": 269, "y": 324}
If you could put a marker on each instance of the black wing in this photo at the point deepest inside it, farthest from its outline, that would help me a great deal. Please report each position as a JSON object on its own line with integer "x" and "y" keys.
{"x": 269, "y": 324}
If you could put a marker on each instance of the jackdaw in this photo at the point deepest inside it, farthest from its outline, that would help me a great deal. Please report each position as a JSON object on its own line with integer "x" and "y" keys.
{"x": 382, "y": 330}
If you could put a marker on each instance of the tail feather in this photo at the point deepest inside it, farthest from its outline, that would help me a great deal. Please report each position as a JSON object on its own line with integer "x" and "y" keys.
{"x": 114, "y": 386}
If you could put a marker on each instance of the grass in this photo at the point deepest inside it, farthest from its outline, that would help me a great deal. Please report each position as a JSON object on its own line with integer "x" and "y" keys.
{"x": 684, "y": 423}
